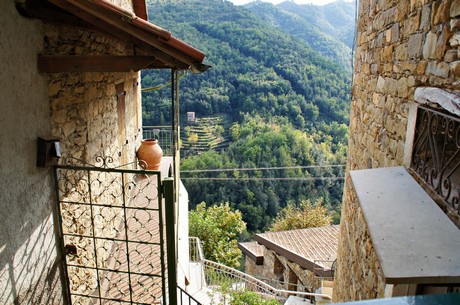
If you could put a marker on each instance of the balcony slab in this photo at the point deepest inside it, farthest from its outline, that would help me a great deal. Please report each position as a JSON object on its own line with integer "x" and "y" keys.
{"x": 414, "y": 240}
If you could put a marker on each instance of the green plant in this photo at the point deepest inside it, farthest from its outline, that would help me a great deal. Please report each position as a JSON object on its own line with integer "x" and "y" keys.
{"x": 218, "y": 228}
{"x": 224, "y": 295}
{"x": 306, "y": 215}
{"x": 250, "y": 298}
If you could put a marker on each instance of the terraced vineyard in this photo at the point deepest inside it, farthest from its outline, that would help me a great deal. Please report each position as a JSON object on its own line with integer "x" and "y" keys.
{"x": 204, "y": 134}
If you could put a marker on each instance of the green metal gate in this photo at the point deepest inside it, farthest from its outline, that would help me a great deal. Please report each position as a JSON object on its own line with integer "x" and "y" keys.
{"x": 112, "y": 227}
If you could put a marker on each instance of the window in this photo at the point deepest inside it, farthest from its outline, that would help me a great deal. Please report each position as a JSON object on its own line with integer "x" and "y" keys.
{"x": 121, "y": 119}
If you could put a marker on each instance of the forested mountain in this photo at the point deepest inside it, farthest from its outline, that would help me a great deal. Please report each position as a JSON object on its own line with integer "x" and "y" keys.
{"x": 255, "y": 68}
{"x": 326, "y": 29}
{"x": 337, "y": 18}
{"x": 280, "y": 165}
{"x": 286, "y": 104}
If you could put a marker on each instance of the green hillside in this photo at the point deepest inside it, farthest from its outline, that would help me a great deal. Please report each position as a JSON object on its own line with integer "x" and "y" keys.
{"x": 256, "y": 68}
{"x": 272, "y": 112}
{"x": 204, "y": 134}
{"x": 326, "y": 29}
{"x": 337, "y": 19}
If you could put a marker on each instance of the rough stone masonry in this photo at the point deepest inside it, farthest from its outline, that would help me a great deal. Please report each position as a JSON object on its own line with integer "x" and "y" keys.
{"x": 400, "y": 46}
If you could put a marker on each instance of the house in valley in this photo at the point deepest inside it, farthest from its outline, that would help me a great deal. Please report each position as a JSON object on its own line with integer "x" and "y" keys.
{"x": 295, "y": 260}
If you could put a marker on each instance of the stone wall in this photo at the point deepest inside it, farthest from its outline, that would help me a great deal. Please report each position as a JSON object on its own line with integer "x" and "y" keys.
{"x": 250, "y": 267}
{"x": 95, "y": 115}
{"x": 401, "y": 45}
{"x": 82, "y": 109}
{"x": 84, "y": 106}
{"x": 305, "y": 277}
{"x": 362, "y": 278}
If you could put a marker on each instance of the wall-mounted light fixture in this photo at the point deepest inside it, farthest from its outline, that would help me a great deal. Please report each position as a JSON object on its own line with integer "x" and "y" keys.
{"x": 48, "y": 152}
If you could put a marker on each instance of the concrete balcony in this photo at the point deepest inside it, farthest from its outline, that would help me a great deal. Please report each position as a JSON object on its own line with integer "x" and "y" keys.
{"x": 397, "y": 241}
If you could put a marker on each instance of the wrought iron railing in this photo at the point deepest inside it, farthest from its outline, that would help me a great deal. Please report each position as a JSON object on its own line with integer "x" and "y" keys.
{"x": 436, "y": 154}
{"x": 218, "y": 275}
{"x": 164, "y": 135}
{"x": 281, "y": 284}
{"x": 185, "y": 298}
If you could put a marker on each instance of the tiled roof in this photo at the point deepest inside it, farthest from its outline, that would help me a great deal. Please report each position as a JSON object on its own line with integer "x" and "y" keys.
{"x": 306, "y": 247}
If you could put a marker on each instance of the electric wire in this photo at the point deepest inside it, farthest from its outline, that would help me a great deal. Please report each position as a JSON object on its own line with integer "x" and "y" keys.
{"x": 265, "y": 179}
{"x": 162, "y": 85}
{"x": 259, "y": 168}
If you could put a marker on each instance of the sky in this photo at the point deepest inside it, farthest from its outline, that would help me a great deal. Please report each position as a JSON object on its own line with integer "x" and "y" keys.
{"x": 315, "y": 2}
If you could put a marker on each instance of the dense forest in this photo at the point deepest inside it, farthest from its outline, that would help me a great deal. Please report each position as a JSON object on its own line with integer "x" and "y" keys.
{"x": 327, "y": 29}
{"x": 286, "y": 106}
{"x": 281, "y": 165}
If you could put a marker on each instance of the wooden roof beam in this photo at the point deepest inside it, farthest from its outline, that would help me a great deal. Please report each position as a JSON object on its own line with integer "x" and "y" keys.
{"x": 45, "y": 11}
{"x": 92, "y": 63}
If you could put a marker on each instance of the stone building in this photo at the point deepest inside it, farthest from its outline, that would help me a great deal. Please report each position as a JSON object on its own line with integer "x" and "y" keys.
{"x": 70, "y": 71}
{"x": 296, "y": 260}
{"x": 400, "y": 216}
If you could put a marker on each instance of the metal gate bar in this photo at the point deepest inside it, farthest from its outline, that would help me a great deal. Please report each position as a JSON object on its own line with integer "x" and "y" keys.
{"x": 112, "y": 232}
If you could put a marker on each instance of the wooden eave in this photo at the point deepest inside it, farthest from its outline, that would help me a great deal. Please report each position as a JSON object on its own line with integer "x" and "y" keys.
{"x": 293, "y": 257}
{"x": 152, "y": 47}
{"x": 258, "y": 259}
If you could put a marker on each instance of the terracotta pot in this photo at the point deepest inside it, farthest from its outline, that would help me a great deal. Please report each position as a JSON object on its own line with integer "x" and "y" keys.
{"x": 150, "y": 153}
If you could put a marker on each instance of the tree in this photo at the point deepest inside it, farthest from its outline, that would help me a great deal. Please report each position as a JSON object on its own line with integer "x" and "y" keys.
{"x": 283, "y": 152}
{"x": 193, "y": 138}
{"x": 218, "y": 228}
{"x": 306, "y": 215}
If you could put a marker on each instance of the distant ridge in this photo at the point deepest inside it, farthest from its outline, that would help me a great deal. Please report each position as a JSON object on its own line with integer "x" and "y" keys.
{"x": 326, "y": 29}
{"x": 336, "y": 18}
{"x": 271, "y": 102}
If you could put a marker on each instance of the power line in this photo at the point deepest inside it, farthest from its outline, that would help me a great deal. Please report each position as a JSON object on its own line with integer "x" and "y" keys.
{"x": 259, "y": 168}
{"x": 162, "y": 85}
{"x": 275, "y": 179}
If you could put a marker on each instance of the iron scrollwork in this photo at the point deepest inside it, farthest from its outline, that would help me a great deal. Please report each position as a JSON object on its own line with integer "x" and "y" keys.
{"x": 436, "y": 154}
{"x": 104, "y": 162}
